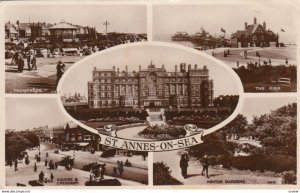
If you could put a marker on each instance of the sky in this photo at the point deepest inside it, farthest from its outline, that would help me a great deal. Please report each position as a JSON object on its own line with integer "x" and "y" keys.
{"x": 258, "y": 106}
{"x": 168, "y": 19}
{"x": 126, "y": 18}
{"x": 75, "y": 80}
{"x": 27, "y": 113}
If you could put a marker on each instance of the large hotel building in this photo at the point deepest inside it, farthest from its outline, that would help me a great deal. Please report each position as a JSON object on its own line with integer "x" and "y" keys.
{"x": 154, "y": 87}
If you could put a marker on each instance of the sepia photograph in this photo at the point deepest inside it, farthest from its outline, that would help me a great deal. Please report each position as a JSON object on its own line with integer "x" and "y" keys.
{"x": 258, "y": 147}
{"x": 152, "y": 94}
{"x": 43, "y": 150}
{"x": 43, "y": 41}
{"x": 128, "y": 94}
{"x": 258, "y": 40}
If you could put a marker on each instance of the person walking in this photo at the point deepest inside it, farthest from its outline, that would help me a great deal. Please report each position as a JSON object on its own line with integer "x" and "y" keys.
{"x": 51, "y": 177}
{"x": 102, "y": 172}
{"x": 33, "y": 67}
{"x": 46, "y": 162}
{"x": 60, "y": 70}
{"x": 205, "y": 166}
{"x": 35, "y": 167}
{"x": 20, "y": 62}
{"x": 245, "y": 54}
{"x": 120, "y": 167}
{"x": 184, "y": 164}
{"x": 56, "y": 165}
{"x": 41, "y": 176}
{"x": 16, "y": 165}
{"x": 29, "y": 60}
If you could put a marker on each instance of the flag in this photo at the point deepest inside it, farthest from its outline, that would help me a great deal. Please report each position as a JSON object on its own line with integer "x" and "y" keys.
{"x": 282, "y": 30}
{"x": 223, "y": 30}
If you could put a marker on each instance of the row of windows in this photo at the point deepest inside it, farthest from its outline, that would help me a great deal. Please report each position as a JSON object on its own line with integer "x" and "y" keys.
{"x": 103, "y": 74}
{"x": 110, "y": 103}
{"x": 144, "y": 80}
{"x": 79, "y": 137}
{"x": 160, "y": 86}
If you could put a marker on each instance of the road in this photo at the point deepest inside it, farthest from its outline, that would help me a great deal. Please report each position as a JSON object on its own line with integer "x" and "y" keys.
{"x": 136, "y": 174}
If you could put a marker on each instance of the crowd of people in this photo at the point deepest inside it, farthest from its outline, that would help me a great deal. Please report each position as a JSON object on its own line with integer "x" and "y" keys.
{"x": 97, "y": 172}
{"x": 19, "y": 58}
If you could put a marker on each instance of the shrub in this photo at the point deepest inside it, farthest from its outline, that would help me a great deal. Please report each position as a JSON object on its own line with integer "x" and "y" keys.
{"x": 167, "y": 131}
{"x": 162, "y": 175}
{"x": 289, "y": 178}
{"x": 275, "y": 163}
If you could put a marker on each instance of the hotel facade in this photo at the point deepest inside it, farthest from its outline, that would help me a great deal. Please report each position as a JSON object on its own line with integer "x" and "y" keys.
{"x": 151, "y": 87}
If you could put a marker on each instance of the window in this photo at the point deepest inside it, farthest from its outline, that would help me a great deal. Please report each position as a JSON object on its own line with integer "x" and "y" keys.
{"x": 87, "y": 137}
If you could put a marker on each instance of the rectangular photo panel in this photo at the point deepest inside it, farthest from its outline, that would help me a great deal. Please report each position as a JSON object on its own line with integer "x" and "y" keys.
{"x": 257, "y": 40}
{"x": 40, "y": 45}
{"x": 258, "y": 147}
{"x": 44, "y": 148}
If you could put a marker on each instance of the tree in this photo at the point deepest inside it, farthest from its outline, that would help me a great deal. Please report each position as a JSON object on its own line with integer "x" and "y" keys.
{"x": 14, "y": 145}
{"x": 33, "y": 138}
{"x": 237, "y": 126}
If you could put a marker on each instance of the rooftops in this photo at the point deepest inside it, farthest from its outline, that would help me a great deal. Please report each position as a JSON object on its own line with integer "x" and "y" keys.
{"x": 63, "y": 25}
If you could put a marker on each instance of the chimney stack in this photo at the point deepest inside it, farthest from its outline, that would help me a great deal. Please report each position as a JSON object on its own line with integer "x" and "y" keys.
{"x": 175, "y": 68}
{"x": 114, "y": 68}
{"x": 126, "y": 69}
{"x": 118, "y": 70}
{"x": 163, "y": 66}
{"x": 140, "y": 67}
{"x": 189, "y": 67}
{"x": 255, "y": 20}
{"x": 196, "y": 67}
{"x": 264, "y": 25}
{"x": 246, "y": 25}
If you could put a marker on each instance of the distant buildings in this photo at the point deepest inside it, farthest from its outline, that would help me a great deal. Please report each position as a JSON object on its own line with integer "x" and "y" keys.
{"x": 74, "y": 101}
{"x": 254, "y": 35}
{"x": 79, "y": 137}
{"x": 68, "y": 135}
{"x": 54, "y": 32}
{"x": 152, "y": 87}
{"x": 11, "y": 32}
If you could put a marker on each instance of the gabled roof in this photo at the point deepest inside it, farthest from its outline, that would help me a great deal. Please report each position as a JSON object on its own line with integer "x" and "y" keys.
{"x": 252, "y": 28}
{"x": 11, "y": 27}
{"x": 63, "y": 25}
{"x": 23, "y": 26}
{"x": 72, "y": 125}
